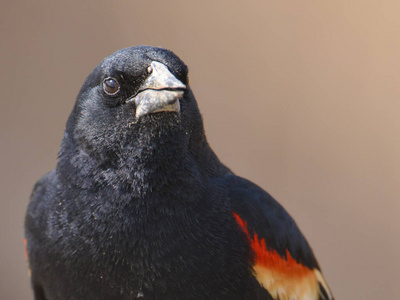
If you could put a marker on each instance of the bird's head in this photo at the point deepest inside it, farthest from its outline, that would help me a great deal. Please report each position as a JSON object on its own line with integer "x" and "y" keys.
{"x": 136, "y": 96}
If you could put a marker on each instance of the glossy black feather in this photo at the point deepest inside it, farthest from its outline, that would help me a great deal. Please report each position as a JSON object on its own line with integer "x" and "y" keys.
{"x": 143, "y": 208}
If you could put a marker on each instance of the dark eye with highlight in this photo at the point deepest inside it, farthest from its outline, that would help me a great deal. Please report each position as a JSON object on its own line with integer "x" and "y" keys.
{"x": 111, "y": 86}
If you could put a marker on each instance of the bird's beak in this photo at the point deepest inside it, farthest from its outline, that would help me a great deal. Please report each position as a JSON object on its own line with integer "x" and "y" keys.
{"x": 159, "y": 92}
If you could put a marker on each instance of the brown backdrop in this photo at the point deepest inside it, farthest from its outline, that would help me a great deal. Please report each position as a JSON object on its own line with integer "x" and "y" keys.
{"x": 301, "y": 97}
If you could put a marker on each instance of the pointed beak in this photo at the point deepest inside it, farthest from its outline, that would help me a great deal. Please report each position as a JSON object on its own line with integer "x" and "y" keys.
{"x": 160, "y": 91}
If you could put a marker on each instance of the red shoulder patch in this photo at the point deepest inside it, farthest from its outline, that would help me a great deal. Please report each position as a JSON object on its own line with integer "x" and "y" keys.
{"x": 284, "y": 278}
{"x": 26, "y": 249}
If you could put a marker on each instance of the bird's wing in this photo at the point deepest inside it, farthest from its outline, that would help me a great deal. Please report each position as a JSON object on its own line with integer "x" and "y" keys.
{"x": 35, "y": 227}
{"x": 36, "y": 215}
{"x": 284, "y": 263}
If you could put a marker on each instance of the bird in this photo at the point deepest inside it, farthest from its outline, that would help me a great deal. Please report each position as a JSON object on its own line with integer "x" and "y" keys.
{"x": 140, "y": 207}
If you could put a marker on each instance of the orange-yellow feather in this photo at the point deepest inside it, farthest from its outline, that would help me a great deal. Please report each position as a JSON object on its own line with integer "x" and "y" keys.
{"x": 26, "y": 255}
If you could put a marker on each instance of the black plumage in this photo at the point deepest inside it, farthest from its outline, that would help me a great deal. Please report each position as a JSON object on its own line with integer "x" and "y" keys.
{"x": 139, "y": 206}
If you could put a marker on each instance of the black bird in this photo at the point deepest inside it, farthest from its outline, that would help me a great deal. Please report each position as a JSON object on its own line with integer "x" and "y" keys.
{"x": 139, "y": 206}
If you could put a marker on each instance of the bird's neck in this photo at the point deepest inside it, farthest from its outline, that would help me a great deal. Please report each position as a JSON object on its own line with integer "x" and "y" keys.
{"x": 151, "y": 164}
{"x": 145, "y": 160}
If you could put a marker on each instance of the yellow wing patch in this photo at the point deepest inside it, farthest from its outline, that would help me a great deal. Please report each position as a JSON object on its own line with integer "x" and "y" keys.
{"x": 290, "y": 287}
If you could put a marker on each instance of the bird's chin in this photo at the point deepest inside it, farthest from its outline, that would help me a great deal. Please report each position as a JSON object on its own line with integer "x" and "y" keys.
{"x": 166, "y": 113}
{"x": 162, "y": 117}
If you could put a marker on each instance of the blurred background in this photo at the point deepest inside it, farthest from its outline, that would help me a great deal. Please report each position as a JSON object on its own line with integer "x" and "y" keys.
{"x": 301, "y": 97}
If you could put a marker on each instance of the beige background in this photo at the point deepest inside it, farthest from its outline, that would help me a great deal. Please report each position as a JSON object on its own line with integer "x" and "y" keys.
{"x": 301, "y": 97}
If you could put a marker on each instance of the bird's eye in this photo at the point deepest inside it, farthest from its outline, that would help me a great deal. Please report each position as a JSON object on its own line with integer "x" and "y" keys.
{"x": 111, "y": 86}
